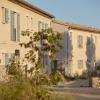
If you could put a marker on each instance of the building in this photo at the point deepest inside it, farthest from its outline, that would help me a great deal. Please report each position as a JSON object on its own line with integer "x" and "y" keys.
{"x": 17, "y": 16}
{"x": 81, "y": 47}
{"x": 81, "y": 43}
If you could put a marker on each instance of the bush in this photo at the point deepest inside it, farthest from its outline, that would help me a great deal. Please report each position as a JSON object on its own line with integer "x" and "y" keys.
{"x": 55, "y": 78}
{"x": 17, "y": 90}
{"x": 85, "y": 75}
{"x": 45, "y": 80}
{"x": 25, "y": 90}
{"x": 20, "y": 89}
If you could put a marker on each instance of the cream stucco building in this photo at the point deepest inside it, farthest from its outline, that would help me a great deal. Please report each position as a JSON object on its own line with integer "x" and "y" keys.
{"x": 81, "y": 43}
{"x": 17, "y": 16}
{"x": 81, "y": 47}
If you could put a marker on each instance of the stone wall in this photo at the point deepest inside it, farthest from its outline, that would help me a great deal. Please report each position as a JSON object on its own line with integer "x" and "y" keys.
{"x": 96, "y": 82}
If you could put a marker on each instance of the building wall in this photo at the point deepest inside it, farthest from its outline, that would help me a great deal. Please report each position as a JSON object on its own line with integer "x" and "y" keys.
{"x": 8, "y": 46}
{"x": 80, "y": 53}
{"x": 62, "y": 54}
{"x": 75, "y": 54}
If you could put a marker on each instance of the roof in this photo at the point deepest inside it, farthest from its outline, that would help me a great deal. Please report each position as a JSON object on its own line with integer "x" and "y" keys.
{"x": 77, "y": 26}
{"x": 34, "y": 7}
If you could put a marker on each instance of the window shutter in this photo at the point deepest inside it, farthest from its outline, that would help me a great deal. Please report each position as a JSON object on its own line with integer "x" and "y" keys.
{"x": 46, "y": 26}
{"x": 12, "y": 26}
{"x": 6, "y": 15}
{"x": 43, "y": 26}
{"x": 39, "y": 26}
{"x": 12, "y": 55}
{"x": 18, "y": 27}
{"x": 14, "y": 34}
{"x": 3, "y": 15}
{"x": 6, "y": 58}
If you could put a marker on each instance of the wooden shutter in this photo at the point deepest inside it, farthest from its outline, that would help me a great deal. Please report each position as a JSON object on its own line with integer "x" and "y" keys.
{"x": 6, "y": 15}
{"x": 18, "y": 27}
{"x": 12, "y": 25}
{"x": 6, "y": 58}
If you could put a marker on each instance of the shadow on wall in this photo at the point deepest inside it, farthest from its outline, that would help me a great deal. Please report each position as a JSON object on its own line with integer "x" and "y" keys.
{"x": 65, "y": 55}
{"x": 90, "y": 53}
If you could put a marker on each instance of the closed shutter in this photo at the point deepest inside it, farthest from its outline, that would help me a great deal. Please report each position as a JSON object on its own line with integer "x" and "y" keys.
{"x": 39, "y": 26}
{"x": 12, "y": 55}
{"x": 43, "y": 26}
{"x": 3, "y": 15}
{"x": 6, "y": 58}
{"x": 46, "y": 26}
{"x": 12, "y": 26}
{"x": 18, "y": 27}
{"x": 6, "y": 15}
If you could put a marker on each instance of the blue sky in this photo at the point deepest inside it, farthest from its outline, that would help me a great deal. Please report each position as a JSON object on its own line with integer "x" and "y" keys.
{"x": 86, "y": 12}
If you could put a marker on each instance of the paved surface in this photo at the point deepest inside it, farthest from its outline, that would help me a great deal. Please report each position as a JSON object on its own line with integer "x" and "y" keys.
{"x": 78, "y": 93}
{"x": 78, "y": 83}
{"x": 79, "y": 89}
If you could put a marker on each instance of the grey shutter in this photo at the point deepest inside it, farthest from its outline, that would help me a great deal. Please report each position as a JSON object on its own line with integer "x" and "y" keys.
{"x": 39, "y": 26}
{"x": 12, "y": 26}
{"x": 12, "y": 56}
{"x": 6, "y": 15}
{"x": 6, "y": 58}
{"x": 46, "y": 26}
{"x": 43, "y": 27}
{"x": 18, "y": 27}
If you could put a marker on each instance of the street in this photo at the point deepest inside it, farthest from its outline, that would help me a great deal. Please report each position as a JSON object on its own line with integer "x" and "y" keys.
{"x": 80, "y": 93}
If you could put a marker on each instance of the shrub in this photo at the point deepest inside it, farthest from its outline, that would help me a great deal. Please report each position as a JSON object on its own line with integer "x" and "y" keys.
{"x": 85, "y": 75}
{"x": 55, "y": 78}
{"x": 17, "y": 90}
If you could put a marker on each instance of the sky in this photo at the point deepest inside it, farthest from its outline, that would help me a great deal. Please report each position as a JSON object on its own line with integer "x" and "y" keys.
{"x": 85, "y": 12}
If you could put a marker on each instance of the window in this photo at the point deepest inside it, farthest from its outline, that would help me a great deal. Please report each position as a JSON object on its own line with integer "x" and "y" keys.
{"x": 71, "y": 35}
{"x": 31, "y": 23}
{"x": 15, "y": 26}
{"x": 80, "y": 41}
{"x": 80, "y": 64}
{"x": 5, "y": 15}
{"x": 18, "y": 27}
{"x": 40, "y": 26}
{"x": 46, "y": 60}
{"x": 46, "y": 26}
{"x": 27, "y": 22}
{"x": 12, "y": 56}
{"x": 6, "y": 58}
{"x": 96, "y": 39}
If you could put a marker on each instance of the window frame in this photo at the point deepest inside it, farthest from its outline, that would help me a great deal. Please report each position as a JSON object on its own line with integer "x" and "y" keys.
{"x": 80, "y": 41}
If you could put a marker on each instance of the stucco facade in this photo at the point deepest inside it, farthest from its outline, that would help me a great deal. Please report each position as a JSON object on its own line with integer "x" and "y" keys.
{"x": 81, "y": 47}
{"x": 25, "y": 16}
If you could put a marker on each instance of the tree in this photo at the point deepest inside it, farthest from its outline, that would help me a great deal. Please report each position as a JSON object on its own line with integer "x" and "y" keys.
{"x": 47, "y": 42}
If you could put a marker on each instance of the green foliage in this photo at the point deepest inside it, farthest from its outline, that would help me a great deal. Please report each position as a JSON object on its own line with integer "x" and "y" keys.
{"x": 17, "y": 90}
{"x": 22, "y": 87}
{"x": 55, "y": 78}
{"x": 85, "y": 75}
{"x": 13, "y": 68}
{"x": 61, "y": 97}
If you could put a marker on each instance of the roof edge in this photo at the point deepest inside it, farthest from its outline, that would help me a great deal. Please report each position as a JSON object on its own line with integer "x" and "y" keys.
{"x": 77, "y": 26}
{"x": 33, "y": 7}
